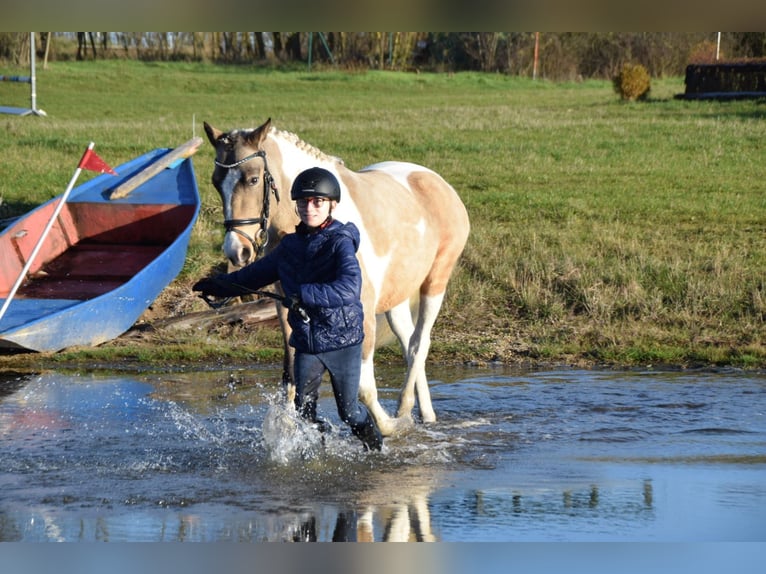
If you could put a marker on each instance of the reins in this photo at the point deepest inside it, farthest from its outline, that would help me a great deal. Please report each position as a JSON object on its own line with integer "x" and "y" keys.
{"x": 214, "y": 303}
{"x": 268, "y": 185}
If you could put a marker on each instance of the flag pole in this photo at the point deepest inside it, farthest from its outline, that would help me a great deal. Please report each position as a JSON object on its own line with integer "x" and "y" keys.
{"x": 47, "y": 229}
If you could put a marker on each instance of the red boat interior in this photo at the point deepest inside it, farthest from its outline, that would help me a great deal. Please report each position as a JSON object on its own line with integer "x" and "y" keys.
{"x": 91, "y": 249}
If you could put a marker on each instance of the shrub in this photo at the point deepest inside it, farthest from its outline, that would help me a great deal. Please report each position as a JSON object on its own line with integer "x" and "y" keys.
{"x": 704, "y": 53}
{"x": 632, "y": 82}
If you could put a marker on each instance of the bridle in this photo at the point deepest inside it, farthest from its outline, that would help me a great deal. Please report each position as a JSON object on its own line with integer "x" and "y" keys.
{"x": 259, "y": 242}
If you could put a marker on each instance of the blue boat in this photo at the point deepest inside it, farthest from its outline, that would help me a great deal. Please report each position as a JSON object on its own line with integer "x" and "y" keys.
{"x": 106, "y": 257}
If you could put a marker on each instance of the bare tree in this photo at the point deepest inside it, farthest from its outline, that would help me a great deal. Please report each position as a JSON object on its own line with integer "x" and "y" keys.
{"x": 82, "y": 44}
{"x": 562, "y": 56}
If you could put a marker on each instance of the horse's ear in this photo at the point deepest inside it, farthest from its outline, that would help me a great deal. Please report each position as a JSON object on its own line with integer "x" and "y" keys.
{"x": 212, "y": 133}
{"x": 256, "y": 136}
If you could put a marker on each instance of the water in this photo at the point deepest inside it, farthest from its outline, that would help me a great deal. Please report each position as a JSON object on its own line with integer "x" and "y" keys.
{"x": 515, "y": 456}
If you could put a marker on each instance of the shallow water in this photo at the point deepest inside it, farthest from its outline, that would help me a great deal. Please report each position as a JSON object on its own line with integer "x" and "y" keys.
{"x": 535, "y": 456}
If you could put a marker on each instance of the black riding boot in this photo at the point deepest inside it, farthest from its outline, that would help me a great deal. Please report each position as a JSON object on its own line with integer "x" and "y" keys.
{"x": 308, "y": 411}
{"x": 369, "y": 434}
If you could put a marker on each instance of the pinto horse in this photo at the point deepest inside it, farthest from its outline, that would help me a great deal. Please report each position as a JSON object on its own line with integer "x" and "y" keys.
{"x": 413, "y": 229}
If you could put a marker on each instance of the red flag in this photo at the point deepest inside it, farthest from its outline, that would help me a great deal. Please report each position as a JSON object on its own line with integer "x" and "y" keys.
{"x": 91, "y": 161}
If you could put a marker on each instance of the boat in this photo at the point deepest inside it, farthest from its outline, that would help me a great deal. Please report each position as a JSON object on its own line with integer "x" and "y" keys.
{"x": 115, "y": 244}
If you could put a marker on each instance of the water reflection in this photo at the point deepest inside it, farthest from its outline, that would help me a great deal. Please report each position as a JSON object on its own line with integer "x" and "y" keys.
{"x": 515, "y": 456}
{"x": 114, "y": 459}
{"x": 396, "y": 524}
{"x": 60, "y": 521}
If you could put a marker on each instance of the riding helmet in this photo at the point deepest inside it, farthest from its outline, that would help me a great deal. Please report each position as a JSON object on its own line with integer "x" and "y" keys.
{"x": 315, "y": 182}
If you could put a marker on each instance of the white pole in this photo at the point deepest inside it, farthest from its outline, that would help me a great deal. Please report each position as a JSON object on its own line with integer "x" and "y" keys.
{"x": 718, "y": 47}
{"x": 47, "y": 229}
{"x": 32, "y": 78}
{"x": 32, "y": 70}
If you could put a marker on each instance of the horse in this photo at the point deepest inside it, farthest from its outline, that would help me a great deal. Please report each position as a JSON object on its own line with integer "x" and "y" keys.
{"x": 413, "y": 229}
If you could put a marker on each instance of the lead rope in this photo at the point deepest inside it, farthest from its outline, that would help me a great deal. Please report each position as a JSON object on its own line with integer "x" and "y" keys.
{"x": 215, "y": 303}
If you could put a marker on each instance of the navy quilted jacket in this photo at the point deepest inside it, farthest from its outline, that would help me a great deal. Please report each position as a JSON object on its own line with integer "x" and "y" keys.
{"x": 321, "y": 268}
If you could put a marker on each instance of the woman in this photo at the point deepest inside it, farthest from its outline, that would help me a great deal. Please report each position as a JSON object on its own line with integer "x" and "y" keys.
{"x": 322, "y": 282}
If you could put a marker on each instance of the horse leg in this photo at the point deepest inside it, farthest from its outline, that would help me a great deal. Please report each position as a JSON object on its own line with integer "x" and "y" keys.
{"x": 368, "y": 392}
{"x": 368, "y": 395}
{"x": 417, "y": 352}
{"x": 288, "y": 358}
{"x": 400, "y": 320}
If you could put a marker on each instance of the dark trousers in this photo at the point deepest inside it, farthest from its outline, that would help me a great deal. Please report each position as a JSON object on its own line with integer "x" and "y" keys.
{"x": 344, "y": 366}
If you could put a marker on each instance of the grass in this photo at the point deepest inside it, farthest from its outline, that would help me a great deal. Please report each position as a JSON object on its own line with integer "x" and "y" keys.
{"x": 602, "y": 231}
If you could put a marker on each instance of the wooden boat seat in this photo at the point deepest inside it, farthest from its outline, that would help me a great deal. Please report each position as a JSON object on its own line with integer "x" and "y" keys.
{"x": 100, "y": 246}
{"x": 87, "y": 270}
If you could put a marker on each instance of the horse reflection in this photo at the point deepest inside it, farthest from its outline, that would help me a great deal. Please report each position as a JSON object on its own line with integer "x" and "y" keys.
{"x": 404, "y": 522}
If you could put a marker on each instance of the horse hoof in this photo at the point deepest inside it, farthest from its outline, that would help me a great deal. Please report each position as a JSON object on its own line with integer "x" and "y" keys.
{"x": 404, "y": 424}
{"x": 395, "y": 426}
{"x": 430, "y": 418}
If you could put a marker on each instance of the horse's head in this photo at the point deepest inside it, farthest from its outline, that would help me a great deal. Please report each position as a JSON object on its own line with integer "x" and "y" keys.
{"x": 246, "y": 185}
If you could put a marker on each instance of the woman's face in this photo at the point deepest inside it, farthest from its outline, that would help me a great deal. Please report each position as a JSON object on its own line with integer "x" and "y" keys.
{"x": 313, "y": 210}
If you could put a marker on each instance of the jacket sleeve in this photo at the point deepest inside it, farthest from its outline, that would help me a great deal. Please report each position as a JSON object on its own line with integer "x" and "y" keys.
{"x": 257, "y": 274}
{"x": 345, "y": 288}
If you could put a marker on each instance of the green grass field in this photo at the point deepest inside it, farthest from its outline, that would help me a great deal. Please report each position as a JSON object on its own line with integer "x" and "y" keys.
{"x": 602, "y": 231}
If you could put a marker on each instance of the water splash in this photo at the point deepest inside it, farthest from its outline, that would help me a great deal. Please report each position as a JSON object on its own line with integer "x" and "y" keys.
{"x": 287, "y": 437}
{"x": 195, "y": 428}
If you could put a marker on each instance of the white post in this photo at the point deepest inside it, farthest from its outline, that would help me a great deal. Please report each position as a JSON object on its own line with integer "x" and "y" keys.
{"x": 718, "y": 47}
{"x": 32, "y": 77}
{"x": 47, "y": 229}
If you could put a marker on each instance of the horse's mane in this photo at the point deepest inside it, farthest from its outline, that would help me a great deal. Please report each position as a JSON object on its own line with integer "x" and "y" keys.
{"x": 304, "y": 146}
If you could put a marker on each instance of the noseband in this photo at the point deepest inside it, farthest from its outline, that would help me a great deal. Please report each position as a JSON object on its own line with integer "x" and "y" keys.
{"x": 263, "y": 220}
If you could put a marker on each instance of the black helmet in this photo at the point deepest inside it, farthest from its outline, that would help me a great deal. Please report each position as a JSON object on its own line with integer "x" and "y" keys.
{"x": 315, "y": 182}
